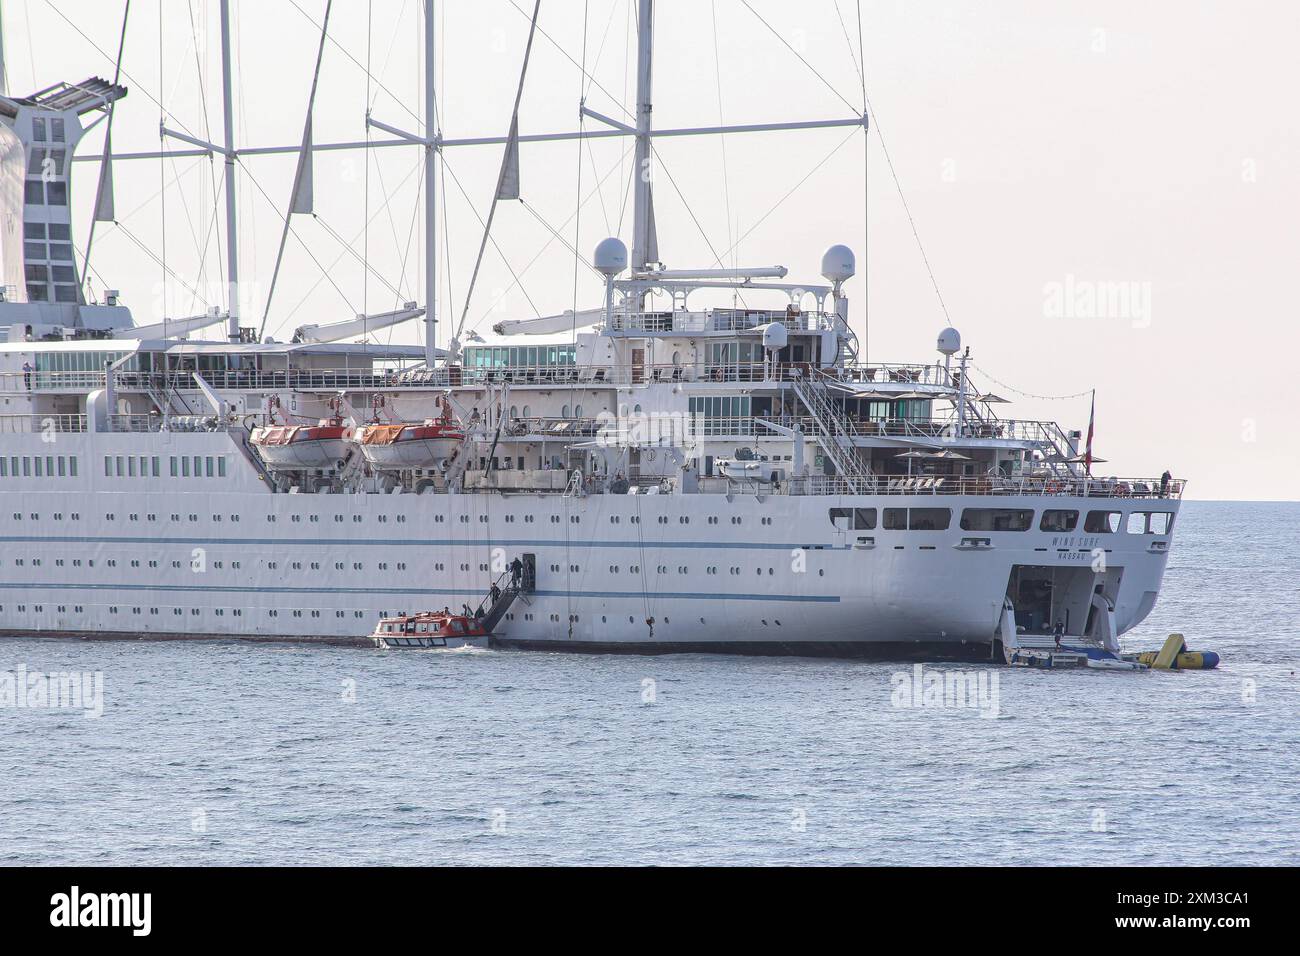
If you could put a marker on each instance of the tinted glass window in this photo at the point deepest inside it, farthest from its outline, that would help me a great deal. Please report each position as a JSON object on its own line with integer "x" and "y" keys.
{"x": 1102, "y": 522}
{"x": 996, "y": 519}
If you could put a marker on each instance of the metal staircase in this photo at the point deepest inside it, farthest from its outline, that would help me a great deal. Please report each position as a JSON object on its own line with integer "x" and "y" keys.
{"x": 833, "y": 433}
{"x": 490, "y": 611}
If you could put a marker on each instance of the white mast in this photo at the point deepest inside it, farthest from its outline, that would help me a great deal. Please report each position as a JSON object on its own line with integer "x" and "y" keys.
{"x": 430, "y": 194}
{"x": 4, "y": 86}
{"x": 643, "y": 237}
{"x": 232, "y": 228}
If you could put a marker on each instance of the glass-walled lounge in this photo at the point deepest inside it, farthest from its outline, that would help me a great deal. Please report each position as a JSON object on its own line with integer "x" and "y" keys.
{"x": 521, "y": 356}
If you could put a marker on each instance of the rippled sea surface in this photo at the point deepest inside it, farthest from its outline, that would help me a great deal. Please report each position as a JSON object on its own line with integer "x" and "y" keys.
{"x": 231, "y": 753}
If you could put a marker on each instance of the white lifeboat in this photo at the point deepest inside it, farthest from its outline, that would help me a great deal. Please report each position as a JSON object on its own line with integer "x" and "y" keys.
{"x": 401, "y": 447}
{"x": 324, "y": 445}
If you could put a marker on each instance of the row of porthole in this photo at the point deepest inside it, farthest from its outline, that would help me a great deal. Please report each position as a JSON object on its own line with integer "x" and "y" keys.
{"x": 358, "y": 519}
{"x": 220, "y": 612}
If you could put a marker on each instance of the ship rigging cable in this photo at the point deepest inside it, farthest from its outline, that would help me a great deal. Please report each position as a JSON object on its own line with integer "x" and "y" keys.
{"x": 617, "y": 167}
{"x": 1044, "y": 398}
{"x": 870, "y": 110}
{"x": 492, "y": 239}
{"x": 509, "y": 156}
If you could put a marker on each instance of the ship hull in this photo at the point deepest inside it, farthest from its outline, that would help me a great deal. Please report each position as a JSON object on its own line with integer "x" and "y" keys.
{"x": 692, "y": 573}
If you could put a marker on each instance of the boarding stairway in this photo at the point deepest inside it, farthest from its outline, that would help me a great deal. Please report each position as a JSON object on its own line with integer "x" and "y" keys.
{"x": 490, "y": 611}
{"x": 833, "y": 433}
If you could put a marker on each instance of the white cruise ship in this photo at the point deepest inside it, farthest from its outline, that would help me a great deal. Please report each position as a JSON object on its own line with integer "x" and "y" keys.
{"x": 673, "y": 477}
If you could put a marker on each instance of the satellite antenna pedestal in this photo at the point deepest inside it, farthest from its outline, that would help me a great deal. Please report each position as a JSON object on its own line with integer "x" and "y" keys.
{"x": 610, "y": 260}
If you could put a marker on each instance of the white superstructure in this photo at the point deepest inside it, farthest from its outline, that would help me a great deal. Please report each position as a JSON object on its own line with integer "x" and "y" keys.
{"x": 676, "y": 478}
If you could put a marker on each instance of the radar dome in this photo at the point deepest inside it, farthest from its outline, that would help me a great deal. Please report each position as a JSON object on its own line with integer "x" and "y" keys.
{"x": 775, "y": 336}
{"x": 838, "y": 263}
{"x": 611, "y": 257}
{"x": 949, "y": 341}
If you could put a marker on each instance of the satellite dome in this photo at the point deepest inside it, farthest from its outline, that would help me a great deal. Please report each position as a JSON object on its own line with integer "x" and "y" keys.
{"x": 949, "y": 341}
{"x": 775, "y": 336}
{"x": 611, "y": 257}
{"x": 838, "y": 263}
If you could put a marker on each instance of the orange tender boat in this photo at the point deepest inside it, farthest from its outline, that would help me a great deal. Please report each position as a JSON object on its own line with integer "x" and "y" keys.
{"x": 430, "y": 629}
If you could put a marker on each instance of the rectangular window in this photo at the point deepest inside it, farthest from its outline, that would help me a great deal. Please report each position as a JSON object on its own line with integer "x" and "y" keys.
{"x": 4, "y": 467}
{"x": 864, "y": 519}
{"x": 1101, "y": 522}
{"x": 27, "y": 467}
{"x": 130, "y": 466}
{"x": 57, "y": 193}
{"x": 1058, "y": 520}
{"x": 198, "y": 466}
{"x": 1150, "y": 522}
{"x": 185, "y": 466}
{"x": 108, "y": 466}
{"x": 121, "y": 467}
{"x": 917, "y": 519}
{"x": 34, "y": 192}
{"x": 72, "y": 466}
{"x": 841, "y": 518}
{"x": 210, "y": 469}
{"x": 173, "y": 465}
{"x": 929, "y": 519}
{"x": 221, "y": 466}
{"x": 49, "y": 465}
{"x": 38, "y": 466}
{"x": 157, "y": 470}
{"x": 996, "y": 519}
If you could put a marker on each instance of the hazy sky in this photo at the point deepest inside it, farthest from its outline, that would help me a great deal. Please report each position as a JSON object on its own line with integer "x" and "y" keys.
{"x": 1108, "y": 192}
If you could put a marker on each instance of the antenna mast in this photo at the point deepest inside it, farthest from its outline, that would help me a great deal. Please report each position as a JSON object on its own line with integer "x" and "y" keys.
{"x": 643, "y": 230}
{"x": 430, "y": 194}
{"x": 232, "y": 227}
{"x": 4, "y": 84}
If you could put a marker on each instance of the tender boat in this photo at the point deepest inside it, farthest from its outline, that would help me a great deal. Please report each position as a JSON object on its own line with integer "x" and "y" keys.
{"x": 430, "y": 629}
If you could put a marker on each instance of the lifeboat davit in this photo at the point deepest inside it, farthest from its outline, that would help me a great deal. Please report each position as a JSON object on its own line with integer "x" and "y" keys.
{"x": 324, "y": 445}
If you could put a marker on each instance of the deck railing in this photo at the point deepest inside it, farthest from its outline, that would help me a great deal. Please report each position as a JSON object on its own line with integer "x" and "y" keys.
{"x": 365, "y": 379}
{"x": 984, "y": 486}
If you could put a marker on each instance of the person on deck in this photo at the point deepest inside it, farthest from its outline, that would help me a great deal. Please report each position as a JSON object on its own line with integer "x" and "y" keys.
{"x": 1164, "y": 483}
{"x": 1058, "y": 632}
